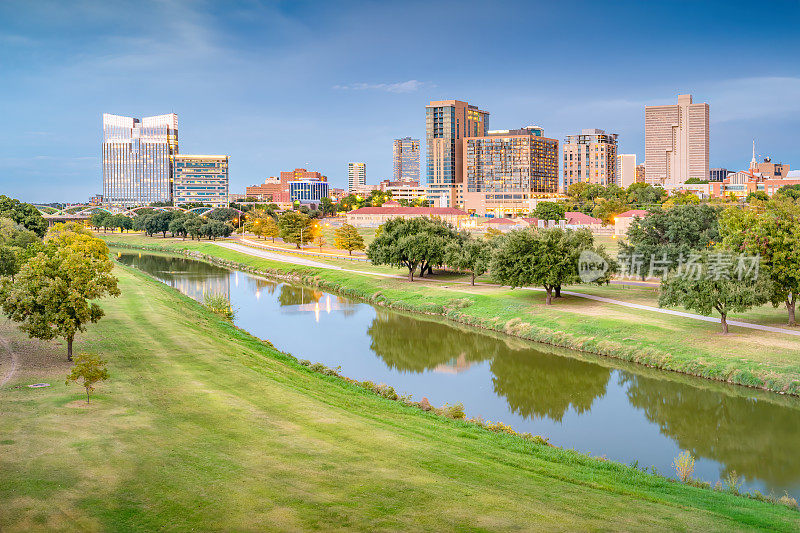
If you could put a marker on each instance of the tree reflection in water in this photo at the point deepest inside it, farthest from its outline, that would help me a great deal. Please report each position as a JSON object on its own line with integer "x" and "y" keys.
{"x": 755, "y": 437}
{"x": 190, "y": 277}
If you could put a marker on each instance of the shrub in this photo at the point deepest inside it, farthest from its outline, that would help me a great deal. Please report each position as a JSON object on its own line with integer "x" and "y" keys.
{"x": 455, "y": 411}
{"x": 219, "y": 305}
{"x": 788, "y": 501}
{"x": 733, "y": 481}
{"x": 684, "y": 466}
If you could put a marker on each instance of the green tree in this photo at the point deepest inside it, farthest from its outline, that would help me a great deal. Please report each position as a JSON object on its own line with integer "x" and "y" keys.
{"x": 682, "y": 198}
{"x": 546, "y": 257}
{"x": 774, "y": 234}
{"x": 295, "y": 228}
{"x": 99, "y": 219}
{"x": 327, "y": 206}
{"x": 9, "y": 261}
{"x": 89, "y": 369}
{"x": 55, "y": 292}
{"x": 348, "y": 238}
{"x": 177, "y": 226}
{"x": 549, "y": 210}
{"x": 665, "y": 236}
{"x": 759, "y": 196}
{"x": 23, "y": 214}
{"x": 192, "y": 227}
{"x": 644, "y": 194}
{"x": 713, "y": 283}
{"x": 790, "y": 191}
{"x": 411, "y": 243}
{"x": 121, "y": 222}
{"x": 470, "y": 254}
{"x": 607, "y": 209}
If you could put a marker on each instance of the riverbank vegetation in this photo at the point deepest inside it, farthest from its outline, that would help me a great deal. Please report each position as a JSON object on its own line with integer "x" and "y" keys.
{"x": 205, "y": 427}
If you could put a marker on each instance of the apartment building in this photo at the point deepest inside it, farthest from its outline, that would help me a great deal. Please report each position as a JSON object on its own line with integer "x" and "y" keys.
{"x": 626, "y": 170}
{"x": 356, "y": 175}
{"x": 200, "y": 179}
{"x": 590, "y": 157}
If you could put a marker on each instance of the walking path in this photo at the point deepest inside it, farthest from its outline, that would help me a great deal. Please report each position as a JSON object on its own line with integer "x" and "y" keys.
{"x": 307, "y": 262}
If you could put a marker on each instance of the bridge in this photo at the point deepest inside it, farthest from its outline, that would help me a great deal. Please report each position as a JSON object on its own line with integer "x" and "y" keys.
{"x": 82, "y": 213}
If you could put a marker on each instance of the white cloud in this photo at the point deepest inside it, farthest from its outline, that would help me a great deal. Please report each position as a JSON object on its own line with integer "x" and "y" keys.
{"x": 409, "y": 86}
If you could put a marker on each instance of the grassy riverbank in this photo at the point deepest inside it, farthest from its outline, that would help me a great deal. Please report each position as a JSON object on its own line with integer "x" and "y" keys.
{"x": 747, "y": 357}
{"x": 202, "y": 426}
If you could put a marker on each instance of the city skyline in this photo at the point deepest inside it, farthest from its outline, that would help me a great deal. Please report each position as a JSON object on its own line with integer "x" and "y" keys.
{"x": 67, "y": 65}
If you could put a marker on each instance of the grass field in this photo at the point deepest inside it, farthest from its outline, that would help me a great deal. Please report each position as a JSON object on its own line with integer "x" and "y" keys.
{"x": 748, "y": 357}
{"x": 204, "y": 427}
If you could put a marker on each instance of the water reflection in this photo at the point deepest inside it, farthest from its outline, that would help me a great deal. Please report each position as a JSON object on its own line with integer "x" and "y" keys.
{"x": 596, "y": 405}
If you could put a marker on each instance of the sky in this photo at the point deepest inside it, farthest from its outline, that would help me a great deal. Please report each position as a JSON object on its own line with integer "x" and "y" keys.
{"x": 280, "y": 85}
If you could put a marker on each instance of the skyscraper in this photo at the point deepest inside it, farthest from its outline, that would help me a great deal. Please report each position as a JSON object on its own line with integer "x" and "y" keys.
{"x": 137, "y": 158}
{"x": 676, "y": 139}
{"x": 405, "y": 154}
{"x": 447, "y": 123}
{"x": 590, "y": 157}
{"x": 356, "y": 175}
{"x": 505, "y": 170}
{"x": 626, "y": 170}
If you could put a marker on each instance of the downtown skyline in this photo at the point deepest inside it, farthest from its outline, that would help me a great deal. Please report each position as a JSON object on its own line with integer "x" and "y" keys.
{"x": 68, "y": 65}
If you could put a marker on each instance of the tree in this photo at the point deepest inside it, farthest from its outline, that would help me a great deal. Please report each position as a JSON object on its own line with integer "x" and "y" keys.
{"x": 89, "y": 368}
{"x": 55, "y": 292}
{"x": 327, "y": 206}
{"x": 319, "y": 235}
{"x": 214, "y": 228}
{"x": 662, "y": 237}
{"x": 411, "y": 243}
{"x": 713, "y": 285}
{"x": 120, "y": 221}
{"x": 607, "y": 209}
{"x": 759, "y": 196}
{"x": 98, "y": 219}
{"x": 9, "y": 262}
{"x": 224, "y": 214}
{"x": 192, "y": 227}
{"x": 468, "y": 253}
{"x": 682, "y": 198}
{"x": 549, "y": 210}
{"x": 348, "y": 238}
{"x": 295, "y": 228}
{"x": 547, "y": 257}
{"x": 23, "y": 214}
{"x": 177, "y": 226}
{"x": 262, "y": 223}
{"x": 790, "y": 191}
{"x": 774, "y": 234}
{"x": 642, "y": 194}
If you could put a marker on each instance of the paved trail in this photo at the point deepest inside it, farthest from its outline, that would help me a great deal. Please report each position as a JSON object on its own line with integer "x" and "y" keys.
{"x": 308, "y": 262}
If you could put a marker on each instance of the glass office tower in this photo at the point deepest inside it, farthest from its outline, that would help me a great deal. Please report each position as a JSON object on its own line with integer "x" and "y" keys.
{"x": 405, "y": 155}
{"x": 137, "y": 159}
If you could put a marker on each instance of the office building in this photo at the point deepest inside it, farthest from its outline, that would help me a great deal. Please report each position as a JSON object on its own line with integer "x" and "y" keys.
{"x": 640, "y": 173}
{"x": 676, "y": 142}
{"x": 277, "y": 189}
{"x": 447, "y": 123}
{"x": 137, "y": 159}
{"x": 505, "y": 171}
{"x": 356, "y": 175}
{"x": 308, "y": 191}
{"x": 404, "y": 190}
{"x": 717, "y": 174}
{"x": 405, "y": 156}
{"x": 590, "y": 157}
{"x": 626, "y": 170}
{"x": 768, "y": 169}
{"x": 200, "y": 179}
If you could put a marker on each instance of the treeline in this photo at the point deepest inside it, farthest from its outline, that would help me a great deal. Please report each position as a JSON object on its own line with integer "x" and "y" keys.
{"x": 545, "y": 257}
{"x": 179, "y": 223}
{"x": 719, "y": 259}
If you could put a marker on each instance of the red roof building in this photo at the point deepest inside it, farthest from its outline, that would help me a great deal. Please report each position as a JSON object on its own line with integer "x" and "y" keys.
{"x": 375, "y": 216}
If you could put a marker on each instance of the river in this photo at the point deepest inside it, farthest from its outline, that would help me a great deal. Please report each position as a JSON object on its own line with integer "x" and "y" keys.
{"x": 591, "y": 404}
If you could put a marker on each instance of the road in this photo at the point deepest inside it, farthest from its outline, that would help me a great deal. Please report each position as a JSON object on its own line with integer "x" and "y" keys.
{"x": 308, "y": 262}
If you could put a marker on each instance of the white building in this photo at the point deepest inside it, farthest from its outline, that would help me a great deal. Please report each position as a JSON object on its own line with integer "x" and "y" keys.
{"x": 356, "y": 175}
{"x": 626, "y": 170}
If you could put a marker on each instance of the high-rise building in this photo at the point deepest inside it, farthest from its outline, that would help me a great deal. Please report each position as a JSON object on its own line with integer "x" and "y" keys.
{"x": 506, "y": 170}
{"x": 717, "y": 174}
{"x": 626, "y": 170}
{"x": 447, "y": 123}
{"x": 200, "y": 179}
{"x": 590, "y": 157}
{"x": 405, "y": 154}
{"x": 640, "y": 173}
{"x": 676, "y": 139}
{"x": 137, "y": 158}
{"x": 356, "y": 175}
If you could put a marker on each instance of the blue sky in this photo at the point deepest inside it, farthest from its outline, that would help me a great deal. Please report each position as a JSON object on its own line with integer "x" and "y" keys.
{"x": 279, "y": 85}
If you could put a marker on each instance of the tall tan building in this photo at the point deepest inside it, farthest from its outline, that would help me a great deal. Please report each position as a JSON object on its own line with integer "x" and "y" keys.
{"x": 356, "y": 176}
{"x": 590, "y": 157}
{"x": 626, "y": 170}
{"x": 640, "y": 173}
{"x": 447, "y": 123}
{"x": 676, "y": 139}
{"x": 505, "y": 171}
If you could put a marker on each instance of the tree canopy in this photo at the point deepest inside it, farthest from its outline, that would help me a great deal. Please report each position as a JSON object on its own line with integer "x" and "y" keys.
{"x": 295, "y": 228}
{"x": 470, "y": 254}
{"x": 348, "y": 238}
{"x": 411, "y": 243}
{"x": 23, "y": 214}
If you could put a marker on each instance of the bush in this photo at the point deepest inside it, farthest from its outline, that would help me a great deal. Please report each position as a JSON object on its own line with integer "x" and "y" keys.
{"x": 733, "y": 481}
{"x": 684, "y": 466}
{"x": 220, "y": 305}
{"x": 788, "y": 501}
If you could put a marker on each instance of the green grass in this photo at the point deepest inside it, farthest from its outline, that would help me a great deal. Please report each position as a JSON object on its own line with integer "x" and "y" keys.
{"x": 747, "y": 357}
{"x": 204, "y": 427}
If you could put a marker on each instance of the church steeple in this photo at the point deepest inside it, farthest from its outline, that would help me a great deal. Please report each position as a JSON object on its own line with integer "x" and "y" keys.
{"x": 753, "y": 162}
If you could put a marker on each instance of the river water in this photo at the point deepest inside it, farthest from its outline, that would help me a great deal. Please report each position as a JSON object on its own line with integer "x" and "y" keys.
{"x": 591, "y": 404}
